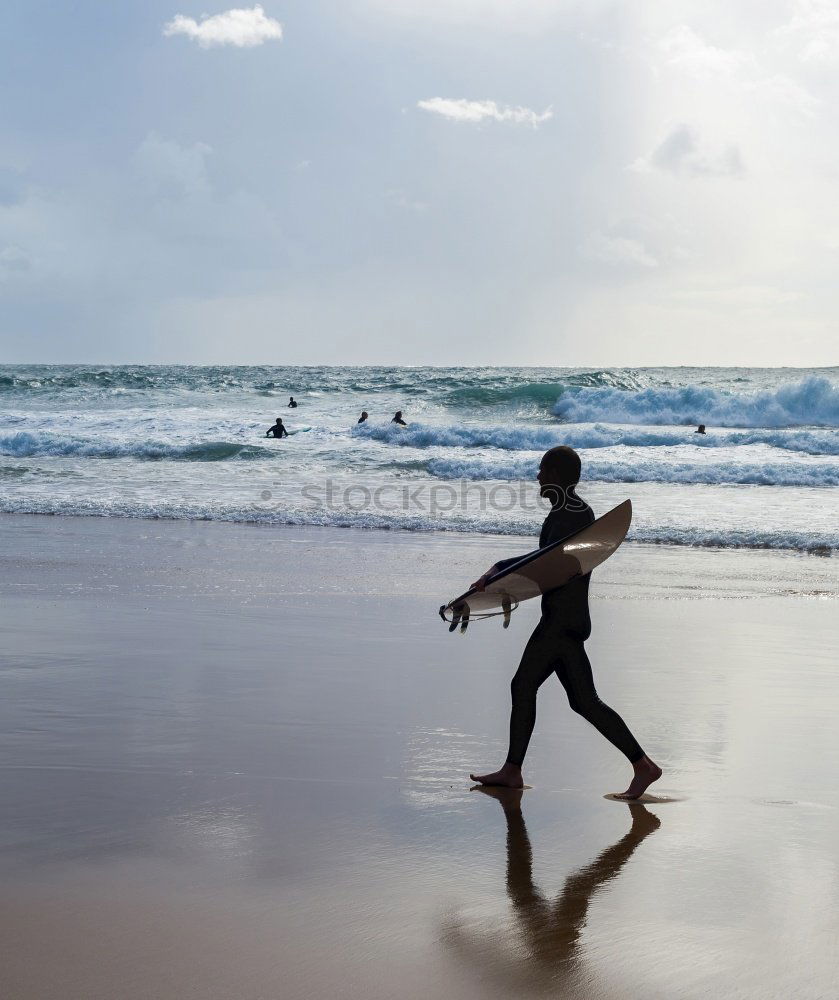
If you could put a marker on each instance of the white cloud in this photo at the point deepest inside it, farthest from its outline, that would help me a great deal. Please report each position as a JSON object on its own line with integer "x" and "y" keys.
{"x": 684, "y": 50}
{"x": 173, "y": 170}
{"x": 461, "y": 110}
{"x": 242, "y": 27}
{"x": 401, "y": 200}
{"x": 617, "y": 250}
{"x": 813, "y": 30}
{"x": 681, "y": 153}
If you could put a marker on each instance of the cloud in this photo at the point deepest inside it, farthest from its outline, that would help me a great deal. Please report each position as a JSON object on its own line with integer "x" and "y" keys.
{"x": 172, "y": 170}
{"x": 681, "y": 153}
{"x": 461, "y": 110}
{"x": 242, "y": 27}
{"x": 813, "y": 30}
{"x": 617, "y": 250}
{"x": 684, "y": 50}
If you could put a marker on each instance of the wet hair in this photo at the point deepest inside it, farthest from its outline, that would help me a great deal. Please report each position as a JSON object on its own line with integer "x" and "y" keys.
{"x": 279, "y": 420}
{"x": 563, "y": 465}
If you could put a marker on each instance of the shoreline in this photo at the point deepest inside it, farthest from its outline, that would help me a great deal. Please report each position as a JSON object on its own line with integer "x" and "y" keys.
{"x": 428, "y": 562}
{"x": 819, "y": 551}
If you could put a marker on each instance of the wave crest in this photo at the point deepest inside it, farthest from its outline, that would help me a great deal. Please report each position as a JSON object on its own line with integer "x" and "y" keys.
{"x": 814, "y": 401}
{"x": 23, "y": 444}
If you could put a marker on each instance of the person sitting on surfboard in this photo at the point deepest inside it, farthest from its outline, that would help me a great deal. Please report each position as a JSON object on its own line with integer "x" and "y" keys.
{"x": 278, "y": 430}
{"x": 292, "y": 402}
{"x": 397, "y": 418}
{"x": 557, "y": 644}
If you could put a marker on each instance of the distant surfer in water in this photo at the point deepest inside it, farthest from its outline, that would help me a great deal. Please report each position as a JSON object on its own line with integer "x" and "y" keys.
{"x": 557, "y": 644}
{"x": 700, "y": 429}
{"x": 292, "y": 402}
{"x": 363, "y": 417}
{"x": 397, "y": 418}
{"x": 278, "y": 430}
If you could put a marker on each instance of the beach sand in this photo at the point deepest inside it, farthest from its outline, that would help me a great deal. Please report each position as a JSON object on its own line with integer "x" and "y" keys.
{"x": 234, "y": 764}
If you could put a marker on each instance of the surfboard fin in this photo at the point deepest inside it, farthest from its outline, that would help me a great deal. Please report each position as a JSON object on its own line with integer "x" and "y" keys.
{"x": 456, "y": 613}
{"x": 507, "y": 609}
{"x": 464, "y": 620}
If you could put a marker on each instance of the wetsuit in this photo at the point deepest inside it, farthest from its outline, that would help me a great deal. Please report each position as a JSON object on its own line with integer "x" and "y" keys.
{"x": 556, "y": 646}
{"x": 277, "y": 431}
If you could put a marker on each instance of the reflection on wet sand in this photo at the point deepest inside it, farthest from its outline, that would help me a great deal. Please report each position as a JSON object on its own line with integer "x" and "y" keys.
{"x": 546, "y": 954}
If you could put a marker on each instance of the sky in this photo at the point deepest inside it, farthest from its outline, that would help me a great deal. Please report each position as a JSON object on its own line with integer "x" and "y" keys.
{"x": 472, "y": 182}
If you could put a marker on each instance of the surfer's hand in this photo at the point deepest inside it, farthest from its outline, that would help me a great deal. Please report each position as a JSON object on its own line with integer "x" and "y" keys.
{"x": 481, "y": 582}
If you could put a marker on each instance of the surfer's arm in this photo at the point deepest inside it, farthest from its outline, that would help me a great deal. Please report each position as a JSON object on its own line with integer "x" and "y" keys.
{"x": 498, "y": 567}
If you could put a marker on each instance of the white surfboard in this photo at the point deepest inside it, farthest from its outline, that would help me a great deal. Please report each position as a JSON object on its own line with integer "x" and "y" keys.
{"x": 542, "y": 570}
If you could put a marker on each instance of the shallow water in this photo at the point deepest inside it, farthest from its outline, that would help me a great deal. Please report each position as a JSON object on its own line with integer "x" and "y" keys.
{"x": 254, "y": 794}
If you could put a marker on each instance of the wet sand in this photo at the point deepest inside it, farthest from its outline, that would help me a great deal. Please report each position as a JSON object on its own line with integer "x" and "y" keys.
{"x": 234, "y": 765}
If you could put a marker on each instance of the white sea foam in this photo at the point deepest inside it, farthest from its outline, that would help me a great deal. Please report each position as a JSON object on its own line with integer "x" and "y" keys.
{"x": 814, "y": 401}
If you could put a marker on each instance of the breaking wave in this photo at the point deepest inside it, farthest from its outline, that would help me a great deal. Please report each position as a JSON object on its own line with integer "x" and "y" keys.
{"x": 814, "y": 401}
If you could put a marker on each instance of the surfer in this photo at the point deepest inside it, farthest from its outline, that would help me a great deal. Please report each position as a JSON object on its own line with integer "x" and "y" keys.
{"x": 278, "y": 430}
{"x": 363, "y": 417}
{"x": 397, "y": 418}
{"x": 557, "y": 644}
{"x": 292, "y": 402}
{"x": 700, "y": 429}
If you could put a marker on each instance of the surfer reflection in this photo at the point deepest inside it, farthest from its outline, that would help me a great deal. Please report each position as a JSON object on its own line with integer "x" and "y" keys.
{"x": 549, "y": 931}
{"x": 557, "y": 643}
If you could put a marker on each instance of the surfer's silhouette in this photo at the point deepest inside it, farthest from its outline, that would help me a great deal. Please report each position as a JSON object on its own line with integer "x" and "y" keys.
{"x": 557, "y": 644}
{"x": 363, "y": 417}
{"x": 700, "y": 429}
{"x": 397, "y": 418}
{"x": 549, "y": 931}
{"x": 278, "y": 430}
{"x": 292, "y": 402}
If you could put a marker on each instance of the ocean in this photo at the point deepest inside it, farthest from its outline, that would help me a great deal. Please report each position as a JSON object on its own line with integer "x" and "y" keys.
{"x": 188, "y": 442}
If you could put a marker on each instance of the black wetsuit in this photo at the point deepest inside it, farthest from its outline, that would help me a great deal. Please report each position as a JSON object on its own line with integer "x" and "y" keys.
{"x": 557, "y": 646}
{"x": 277, "y": 431}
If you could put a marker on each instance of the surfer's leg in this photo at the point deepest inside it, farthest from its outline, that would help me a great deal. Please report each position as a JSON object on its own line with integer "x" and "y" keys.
{"x": 574, "y": 670}
{"x": 538, "y": 662}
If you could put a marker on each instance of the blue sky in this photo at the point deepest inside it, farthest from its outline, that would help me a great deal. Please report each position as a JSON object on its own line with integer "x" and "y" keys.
{"x": 396, "y": 181}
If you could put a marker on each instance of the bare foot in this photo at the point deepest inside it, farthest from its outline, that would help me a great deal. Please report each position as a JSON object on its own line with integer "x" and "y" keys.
{"x": 646, "y": 772}
{"x": 508, "y": 777}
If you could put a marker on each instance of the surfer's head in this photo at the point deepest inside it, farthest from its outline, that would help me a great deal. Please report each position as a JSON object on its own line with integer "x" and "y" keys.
{"x": 560, "y": 467}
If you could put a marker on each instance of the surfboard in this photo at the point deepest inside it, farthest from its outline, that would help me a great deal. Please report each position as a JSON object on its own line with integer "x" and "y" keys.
{"x": 542, "y": 570}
